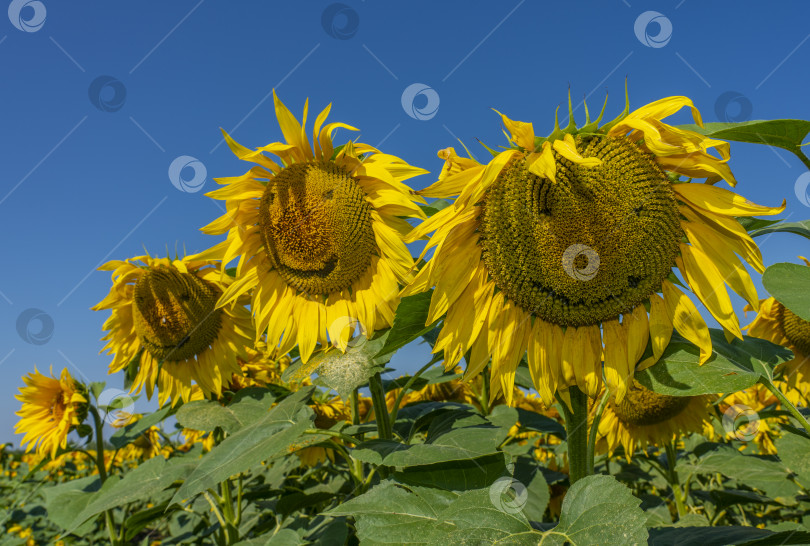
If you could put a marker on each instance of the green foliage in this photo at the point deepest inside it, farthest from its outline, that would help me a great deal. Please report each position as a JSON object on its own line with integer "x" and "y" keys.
{"x": 788, "y": 284}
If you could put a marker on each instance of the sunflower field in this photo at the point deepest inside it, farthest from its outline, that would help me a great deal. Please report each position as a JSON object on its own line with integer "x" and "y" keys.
{"x": 576, "y": 394}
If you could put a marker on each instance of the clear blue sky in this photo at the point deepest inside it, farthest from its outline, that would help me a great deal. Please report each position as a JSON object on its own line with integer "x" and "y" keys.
{"x": 82, "y": 185}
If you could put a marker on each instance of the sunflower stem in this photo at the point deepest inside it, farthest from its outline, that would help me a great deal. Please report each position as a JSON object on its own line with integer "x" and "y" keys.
{"x": 231, "y": 532}
{"x": 674, "y": 480}
{"x": 787, "y": 404}
{"x": 101, "y": 466}
{"x": 576, "y": 429}
{"x": 594, "y": 429}
{"x": 380, "y": 408}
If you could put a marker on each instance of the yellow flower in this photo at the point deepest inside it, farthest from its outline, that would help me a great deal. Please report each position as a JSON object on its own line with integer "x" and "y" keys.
{"x": 779, "y": 325}
{"x": 50, "y": 409}
{"x": 260, "y": 368}
{"x": 164, "y": 311}
{"x": 318, "y": 235}
{"x": 454, "y": 390}
{"x": 644, "y": 418}
{"x": 560, "y": 245}
{"x": 146, "y": 445}
{"x": 741, "y": 417}
{"x": 206, "y": 439}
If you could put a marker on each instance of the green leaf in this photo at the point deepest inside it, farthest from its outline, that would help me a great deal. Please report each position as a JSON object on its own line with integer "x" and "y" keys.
{"x": 799, "y": 228}
{"x": 790, "y": 285}
{"x": 393, "y": 514}
{"x": 456, "y": 445}
{"x": 528, "y": 475}
{"x": 793, "y": 450}
{"x": 721, "y": 536}
{"x": 599, "y": 510}
{"x": 66, "y": 500}
{"x": 733, "y": 366}
{"x": 272, "y": 436}
{"x": 247, "y": 406}
{"x": 131, "y": 432}
{"x": 456, "y": 475}
{"x": 409, "y": 322}
{"x": 140, "y": 484}
{"x": 540, "y": 423}
{"x": 435, "y": 206}
{"x": 770, "y": 477}
{"x": 782, "y": 133}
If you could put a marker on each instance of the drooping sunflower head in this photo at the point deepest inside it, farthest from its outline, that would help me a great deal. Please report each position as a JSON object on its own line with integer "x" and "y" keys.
{"x": 644, "y": 417}
{"x": 318, "y": 234}
{"x": 778, "y": 324}
{"x": 51, "y": 408}
{"x": 166, "y": 330}
{"x": 560, "y": 245}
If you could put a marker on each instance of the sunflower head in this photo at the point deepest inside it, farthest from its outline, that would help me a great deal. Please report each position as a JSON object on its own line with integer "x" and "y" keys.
{"x": 165, "y": 326}
{"x": 778, "y": 324}
{"x": 644, "y": 417}
{"x": 51, "y": 408}
{"x": 566, "y": 246}
{"x": 318, "y": 233}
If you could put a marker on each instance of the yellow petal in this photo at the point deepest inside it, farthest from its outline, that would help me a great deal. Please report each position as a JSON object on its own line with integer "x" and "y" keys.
{"x": 707, "y": 283}
{"x": 686, "y": 319}
{"x": 617, "y": 364}
{"x": 568, "y": 149}
{"x": 722, "y": 201}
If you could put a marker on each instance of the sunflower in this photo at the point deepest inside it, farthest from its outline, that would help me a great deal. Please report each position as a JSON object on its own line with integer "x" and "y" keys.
{"x": 261, "y": 368}
{"x": 741, "y": 418}
{"x": 560, "y": 245}
{"x": 146, "y": 445}
{"x": 454, "y": 390}
{"x": 318, "y": 235}
{"x": 778, "y": 324}
{"x": 164, "y": 314}
{"x": 644, "y": 417}
{"x": 50, "y": 409}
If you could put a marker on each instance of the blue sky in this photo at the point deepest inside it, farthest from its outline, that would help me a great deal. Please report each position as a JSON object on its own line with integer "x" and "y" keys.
{"x": 98, "y": 99}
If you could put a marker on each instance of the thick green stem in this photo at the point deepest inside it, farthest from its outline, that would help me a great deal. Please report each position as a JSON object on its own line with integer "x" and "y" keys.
{"x": 787, "y": 404}
{"x": 380, "y": 408}
{"x": 674, "y": 481}
{"x": 101, "y": 466}
{"x": 594, "y": 429}
{"x": 231, "y": 531}
{"x": 576, "y": 429}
